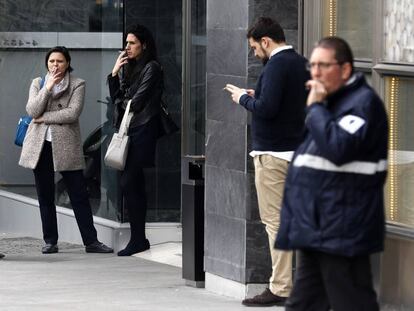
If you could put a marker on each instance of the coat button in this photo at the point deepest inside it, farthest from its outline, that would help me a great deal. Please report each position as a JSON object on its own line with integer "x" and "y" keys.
{"x": 59, "y": 105}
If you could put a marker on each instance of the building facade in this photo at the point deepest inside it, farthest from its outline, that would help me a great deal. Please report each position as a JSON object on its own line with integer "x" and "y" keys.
{"x": 202, "y": 46}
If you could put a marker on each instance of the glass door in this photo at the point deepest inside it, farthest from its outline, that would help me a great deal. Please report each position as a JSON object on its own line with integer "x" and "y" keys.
{"x": 164, "y": 20}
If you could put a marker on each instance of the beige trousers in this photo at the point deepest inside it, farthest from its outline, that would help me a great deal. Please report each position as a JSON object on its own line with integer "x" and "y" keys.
{"x": 270, "y": 175}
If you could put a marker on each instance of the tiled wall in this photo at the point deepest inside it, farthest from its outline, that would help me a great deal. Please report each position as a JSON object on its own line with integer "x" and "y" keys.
{"x": 236, "y": 245}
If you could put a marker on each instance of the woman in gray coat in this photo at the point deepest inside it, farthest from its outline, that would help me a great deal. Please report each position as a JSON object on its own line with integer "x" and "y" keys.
{"x": 53, "y": 144}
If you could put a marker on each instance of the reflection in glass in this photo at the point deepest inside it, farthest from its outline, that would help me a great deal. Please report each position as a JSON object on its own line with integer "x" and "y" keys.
{"x": 400, "y": 184}
{"x": 163, "y": 182}
{"x": 196, "y": 135}
{"x": 61, "y": 16}
{"x": 351, "y": 20}
{"x": 399, "y": 31}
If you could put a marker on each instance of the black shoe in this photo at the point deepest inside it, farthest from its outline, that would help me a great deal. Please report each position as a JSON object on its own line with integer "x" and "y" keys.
{"x": 133, "y": 248}
{"x": 2, "y": 255}
{"x": 265, "y": 299}
{"x": 98, "y": 247}
{"x": 50, "y": 249}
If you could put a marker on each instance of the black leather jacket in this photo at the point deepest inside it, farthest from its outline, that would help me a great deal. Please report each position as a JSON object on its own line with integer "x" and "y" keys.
{"x": 145, "y": 95}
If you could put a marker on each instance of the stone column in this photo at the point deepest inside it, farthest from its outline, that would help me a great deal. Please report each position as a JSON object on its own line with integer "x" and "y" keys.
{"x": 237, "y": 259}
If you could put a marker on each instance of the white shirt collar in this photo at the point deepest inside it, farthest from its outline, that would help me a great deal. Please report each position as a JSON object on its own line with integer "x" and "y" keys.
{"x": 351, "y": 79}
{"x": 280, "y": 49}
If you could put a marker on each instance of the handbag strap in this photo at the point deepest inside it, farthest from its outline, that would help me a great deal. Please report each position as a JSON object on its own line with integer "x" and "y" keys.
{"x": 42, "y": 83}
{"x": 123, "y": 129}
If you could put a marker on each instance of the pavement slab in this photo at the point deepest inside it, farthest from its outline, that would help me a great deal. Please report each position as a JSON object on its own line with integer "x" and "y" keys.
{"x": 75, "y": 280}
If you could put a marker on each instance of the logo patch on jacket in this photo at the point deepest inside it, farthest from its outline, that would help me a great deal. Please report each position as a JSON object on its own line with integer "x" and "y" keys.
{"x": 351, "y": 123}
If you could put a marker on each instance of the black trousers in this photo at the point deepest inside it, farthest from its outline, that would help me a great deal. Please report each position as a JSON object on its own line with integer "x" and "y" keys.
{"x": 329, "y": 282}
{"x": 78, "y": 195}
{"x": 134, "y": 194}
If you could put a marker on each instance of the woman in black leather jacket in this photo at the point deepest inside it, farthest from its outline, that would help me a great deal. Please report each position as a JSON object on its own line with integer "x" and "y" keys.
{"x": 138, "y": 76}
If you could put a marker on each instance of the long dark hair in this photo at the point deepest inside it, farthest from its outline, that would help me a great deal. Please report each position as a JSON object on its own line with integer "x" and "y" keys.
{"x": 149, "y": 53}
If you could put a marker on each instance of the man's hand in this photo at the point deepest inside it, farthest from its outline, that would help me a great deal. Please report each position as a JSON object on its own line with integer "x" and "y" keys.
{"x": 250, "y": 92}
{"x": 317, "y": 92}
{"x": 235, "y": 92}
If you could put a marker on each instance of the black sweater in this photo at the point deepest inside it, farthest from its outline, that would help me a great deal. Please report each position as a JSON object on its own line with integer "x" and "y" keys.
{"x": 278, "y": 108}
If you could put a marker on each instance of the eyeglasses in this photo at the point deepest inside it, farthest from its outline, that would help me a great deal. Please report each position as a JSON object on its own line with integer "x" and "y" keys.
{"x": 320, "y": 65}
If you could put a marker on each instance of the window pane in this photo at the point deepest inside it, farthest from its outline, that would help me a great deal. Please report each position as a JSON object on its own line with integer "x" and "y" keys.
{"x": 61, "y": 16}
{"x": 195, "y": 135}
{"x": 399, "y": 31}
{"x": 351, "y": 20}
{"x": 163, "y": 182}
{"x": 400, "y": 184}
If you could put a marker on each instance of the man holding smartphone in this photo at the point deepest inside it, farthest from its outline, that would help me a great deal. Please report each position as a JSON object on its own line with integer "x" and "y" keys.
{"x": 278, "y": 111}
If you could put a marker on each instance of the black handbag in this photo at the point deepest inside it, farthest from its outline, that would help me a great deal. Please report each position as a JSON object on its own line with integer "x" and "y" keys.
{"x": 167, "y": 125}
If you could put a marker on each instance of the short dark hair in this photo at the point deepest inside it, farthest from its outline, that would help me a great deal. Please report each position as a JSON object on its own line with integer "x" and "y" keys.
{"x": 144, "y": 35}
{"x": 59, "y": 49}
{"x": 343, "y": 52}
{"x": 266, "y": 27}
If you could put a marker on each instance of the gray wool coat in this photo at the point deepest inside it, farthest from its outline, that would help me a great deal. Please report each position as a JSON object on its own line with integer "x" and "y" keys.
{"x": 61, "y": 112}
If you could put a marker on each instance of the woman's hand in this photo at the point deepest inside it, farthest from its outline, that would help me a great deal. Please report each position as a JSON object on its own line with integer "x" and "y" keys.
{"x": 55, "y": 77}
{"x": 39, "y": 120}
{"x": 120, "y": 61}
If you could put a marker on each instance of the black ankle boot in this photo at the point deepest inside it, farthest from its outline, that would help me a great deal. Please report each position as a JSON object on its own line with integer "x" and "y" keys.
{"x": 134, "y": 248}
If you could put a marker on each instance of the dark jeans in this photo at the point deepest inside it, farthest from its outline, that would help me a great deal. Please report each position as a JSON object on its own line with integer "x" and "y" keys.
{"x": 133, "y": 191}
{"x": 78, "y": 195}
{"x": 325, "y": 282}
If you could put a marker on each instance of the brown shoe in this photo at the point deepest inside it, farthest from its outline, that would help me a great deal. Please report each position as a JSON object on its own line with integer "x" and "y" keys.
{"x": 265, "y": 299}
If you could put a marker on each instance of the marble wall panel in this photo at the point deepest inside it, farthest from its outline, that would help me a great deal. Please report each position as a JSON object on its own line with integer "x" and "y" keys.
{"x": 399, "y": 31}
{"x": 252, "y": 207}
{"x": 226, "y": 145}
{"x": 225, "y": 192}
{"x": 258, "y": 262}
{"x": 227, "y": 52}
{"x": 284, "y": 11}
{"x": 220, "y": 106}
{"x": 227, "y": 14}
{"x": 224, "y": 248}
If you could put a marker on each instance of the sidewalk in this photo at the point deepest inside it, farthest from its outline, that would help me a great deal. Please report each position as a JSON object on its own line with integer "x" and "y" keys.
{"x": 74, "y": 280}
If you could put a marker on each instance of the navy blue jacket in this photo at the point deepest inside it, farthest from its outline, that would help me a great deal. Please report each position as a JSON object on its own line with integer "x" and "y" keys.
{"x": 278, "y": 108}
{"x": 333, "y": 198}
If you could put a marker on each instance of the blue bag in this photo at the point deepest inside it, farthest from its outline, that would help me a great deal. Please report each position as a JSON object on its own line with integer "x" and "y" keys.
{"x": 23, "y": 124}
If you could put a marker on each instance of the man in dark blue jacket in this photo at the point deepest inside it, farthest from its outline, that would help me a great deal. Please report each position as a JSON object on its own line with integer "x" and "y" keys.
{"x": 333, "y": 201}
{"x": 278, "y": 111}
